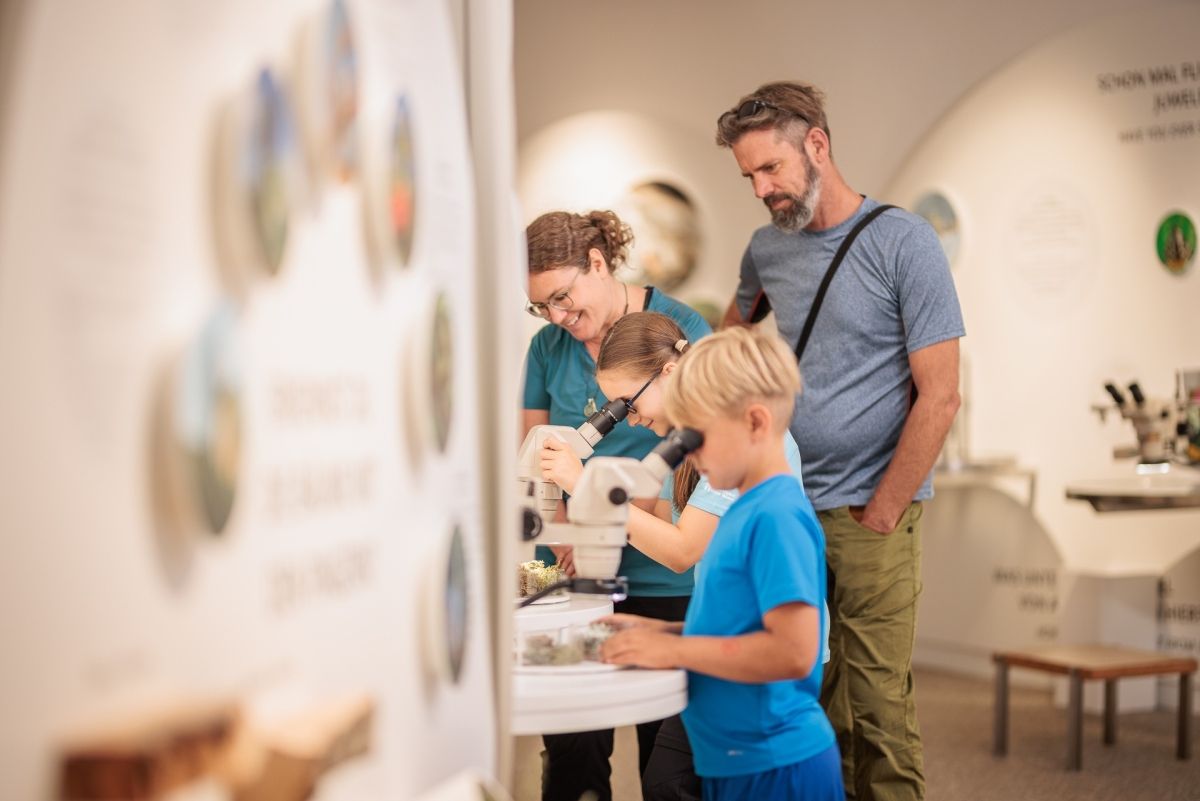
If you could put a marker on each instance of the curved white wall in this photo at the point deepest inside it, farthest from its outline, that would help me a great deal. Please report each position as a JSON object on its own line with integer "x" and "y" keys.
{"x": 1057, "y": 271}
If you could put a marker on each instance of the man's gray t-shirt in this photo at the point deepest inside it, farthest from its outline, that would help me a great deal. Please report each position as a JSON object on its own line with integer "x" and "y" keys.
{"x": 892, "y": 295}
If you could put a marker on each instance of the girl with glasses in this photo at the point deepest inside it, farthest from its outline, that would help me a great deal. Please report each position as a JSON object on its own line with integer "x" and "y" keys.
{"x": 753, "y": 636}
{"x": 636, "y": 361}
{"x": 571, "y": 284}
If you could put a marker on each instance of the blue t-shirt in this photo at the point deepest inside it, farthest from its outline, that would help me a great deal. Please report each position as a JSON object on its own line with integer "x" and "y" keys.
{"x": 560, "y": 376}
{"x": 717, "y": 502}
{"x": 768, "y": 550}
{"x": 892, "y": 295}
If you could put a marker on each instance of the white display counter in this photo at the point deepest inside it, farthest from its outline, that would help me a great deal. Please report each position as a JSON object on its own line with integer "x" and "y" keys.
{"x": 578, "y": 698}
{"x": 1178, "y": 488}
{"x": 579, "y": 611}
{"x": 583, "y": 702}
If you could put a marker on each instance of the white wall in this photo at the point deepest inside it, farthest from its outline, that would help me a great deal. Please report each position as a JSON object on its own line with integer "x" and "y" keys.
{"x": 1057, "y": 271}
{"x": 890, "y": 70}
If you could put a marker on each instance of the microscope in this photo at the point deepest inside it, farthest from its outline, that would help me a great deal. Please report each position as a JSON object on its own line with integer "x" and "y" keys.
{"x": 540, "y": 497}
{"x": 1164, "y": 428}
{"x": 599, "y": 507}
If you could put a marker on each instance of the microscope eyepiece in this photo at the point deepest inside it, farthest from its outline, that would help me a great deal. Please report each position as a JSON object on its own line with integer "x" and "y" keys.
{"x": 609, "y": 415}
{"x": 1136, "y": 391}
{"x": 678, "y": 444}
{"x": 1116, "y": 394}
{"x": 603, "y": 420}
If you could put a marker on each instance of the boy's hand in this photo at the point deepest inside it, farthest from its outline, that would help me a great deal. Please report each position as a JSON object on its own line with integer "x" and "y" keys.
{"x": 643, "y": 647}
{"x": 621, "y": 621}
{"x": 560, "y": 464}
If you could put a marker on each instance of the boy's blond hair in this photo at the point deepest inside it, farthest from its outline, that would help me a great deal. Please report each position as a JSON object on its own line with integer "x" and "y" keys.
{"x": 724, "y": 373}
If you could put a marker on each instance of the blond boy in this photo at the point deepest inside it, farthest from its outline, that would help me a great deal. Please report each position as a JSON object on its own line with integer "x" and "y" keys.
{"x": 751, "y": 638}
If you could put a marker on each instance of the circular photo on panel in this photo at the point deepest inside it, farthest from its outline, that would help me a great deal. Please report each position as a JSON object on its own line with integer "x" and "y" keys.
{"x": 342, "y": 89}
{"x": 455, "y": 599}
{"x": 936, "y": 208}
{"x": 328, "y": 98}
{"x": 270, "y": 166}
{"x": 427, "y": 379}
{"x": 446, "y": 618}
{"x": 441, "y": 373}
{"x": 208, "y": 419}
{"x": 402, "y": 186}
{"x": 666, "y": 243}
{"x": 1176, "y": 242}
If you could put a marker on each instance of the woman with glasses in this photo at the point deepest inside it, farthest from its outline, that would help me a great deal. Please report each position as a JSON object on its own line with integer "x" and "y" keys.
{"x": 636, "y": 359}
{"x": 571, "y": 284}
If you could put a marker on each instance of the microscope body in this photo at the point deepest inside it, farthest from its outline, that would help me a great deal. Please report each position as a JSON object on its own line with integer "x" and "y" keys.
{"x": 1158, "y": 424}
{"x": 598, "y": 512}
{"x": 535, "y": 491}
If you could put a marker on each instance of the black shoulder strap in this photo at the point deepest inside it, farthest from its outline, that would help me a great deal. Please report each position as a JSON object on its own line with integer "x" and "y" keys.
{"x": 833, "y": 266}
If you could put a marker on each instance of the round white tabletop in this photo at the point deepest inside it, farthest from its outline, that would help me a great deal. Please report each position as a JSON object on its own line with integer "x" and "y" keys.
{"x": 546, "y": 704}
{"x": 579, "y": 611}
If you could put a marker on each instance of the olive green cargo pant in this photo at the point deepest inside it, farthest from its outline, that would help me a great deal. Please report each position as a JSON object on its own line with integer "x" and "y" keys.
{"x": 867, "y": 692}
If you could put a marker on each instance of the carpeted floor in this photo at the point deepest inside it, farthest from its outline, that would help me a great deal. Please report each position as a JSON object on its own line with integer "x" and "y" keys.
{"x": 956, "y": 723}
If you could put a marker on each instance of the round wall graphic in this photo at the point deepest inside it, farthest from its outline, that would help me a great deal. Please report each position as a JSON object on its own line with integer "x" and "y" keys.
{"x": 259, "y": 181}
{"x": 937, "y": 209}
{"x": 441, "y": 373}
{"x": 455, "y": 599}
{"x": 666, "y": 243}
{"x": 208, "y": 420}
{"x": 402, "y": 199}
{"x": 427, "y": 378}
{"x": 1176, "y": 242}
{"x": 328, "y": 99}
{"x": 390, "y": 186}
{"x": 446, "y": 618}
{"x": 268, "y": 158}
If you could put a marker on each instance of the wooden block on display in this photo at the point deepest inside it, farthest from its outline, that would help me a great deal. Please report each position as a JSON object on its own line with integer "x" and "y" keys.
{"x": 147, "y": 756}
{"x": 300, "y": 751}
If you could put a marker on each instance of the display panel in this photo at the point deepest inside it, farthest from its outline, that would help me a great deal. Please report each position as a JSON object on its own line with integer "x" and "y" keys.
{"x": 202, "y": 397}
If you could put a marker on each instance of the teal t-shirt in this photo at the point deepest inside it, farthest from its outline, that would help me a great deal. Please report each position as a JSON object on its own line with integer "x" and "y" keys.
{"x": 560, "y": 376}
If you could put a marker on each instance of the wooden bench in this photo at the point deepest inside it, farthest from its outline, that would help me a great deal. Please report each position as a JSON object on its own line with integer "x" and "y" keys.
{"x": 1080, "y": 663}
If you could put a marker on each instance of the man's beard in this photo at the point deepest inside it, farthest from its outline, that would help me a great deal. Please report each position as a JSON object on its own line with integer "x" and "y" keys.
{"x": 797, "y": 215}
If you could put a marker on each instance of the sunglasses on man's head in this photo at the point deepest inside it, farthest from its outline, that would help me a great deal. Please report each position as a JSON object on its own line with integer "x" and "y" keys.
{"x": 751, "y": 107}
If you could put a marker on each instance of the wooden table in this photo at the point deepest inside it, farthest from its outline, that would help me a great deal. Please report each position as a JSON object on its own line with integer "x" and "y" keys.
{"x": 1080, "y": 663}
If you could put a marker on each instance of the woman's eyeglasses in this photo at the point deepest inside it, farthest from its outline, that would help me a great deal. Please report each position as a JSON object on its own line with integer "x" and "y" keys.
{"x": 561, "y": 301}
{"x": 630, "y": 401}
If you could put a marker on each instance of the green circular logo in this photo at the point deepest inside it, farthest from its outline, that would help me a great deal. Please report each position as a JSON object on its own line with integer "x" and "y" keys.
{"x": 1176, "y": 242}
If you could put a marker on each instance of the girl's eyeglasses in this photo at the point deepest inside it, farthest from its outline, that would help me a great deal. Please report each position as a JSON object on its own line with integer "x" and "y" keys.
{"x": 630, "y": 401}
